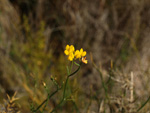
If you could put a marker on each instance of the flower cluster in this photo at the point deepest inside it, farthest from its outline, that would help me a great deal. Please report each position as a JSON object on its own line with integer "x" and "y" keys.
{"x": 75, "y": 54}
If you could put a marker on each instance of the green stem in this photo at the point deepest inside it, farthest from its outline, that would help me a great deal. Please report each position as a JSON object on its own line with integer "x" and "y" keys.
{"x": 75, "y": 71}
{"x": 75, "y": 106}
{"x": 63, "y": 99}
{"x": 71, "y": 67}
{"x": 143, "y": 104}
{"x": 48, "y": 97}
{"x": 76, "y": 64}
{"x": 63, "y": 96}
{"x": 65, "y": 87}
{"x": 101, "y": 76}
{"x": 103, "y": 83}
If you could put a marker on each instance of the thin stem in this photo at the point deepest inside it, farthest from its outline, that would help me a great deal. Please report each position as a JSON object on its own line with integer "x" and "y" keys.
{"x": 49, "y": 96}
{"x": 63, "y": 96}
{"x": 75, "y": 71}
{"x": 63, "y": 99}
{"x": 75, "y": 106}
{"x": 71, "y": 67}
{"x": 143, "y": 104}
{"x": 76, "y": 63}
{"x": 65, "y": 87}
{"x": 101, "y": 76}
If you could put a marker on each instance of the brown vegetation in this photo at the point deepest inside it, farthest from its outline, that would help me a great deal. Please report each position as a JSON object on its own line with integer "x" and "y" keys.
{"x": 33, "y": 35}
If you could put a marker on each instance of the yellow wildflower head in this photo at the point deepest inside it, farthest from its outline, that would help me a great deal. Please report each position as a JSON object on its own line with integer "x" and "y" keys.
{"x": 71, "y": 57}
{"x": 77, "y": 54}
{"x": 69, "y": 49}
{"x": 84, "y": 60}
{"x": 83, "y": 53}
{"x": 72, "y": 48}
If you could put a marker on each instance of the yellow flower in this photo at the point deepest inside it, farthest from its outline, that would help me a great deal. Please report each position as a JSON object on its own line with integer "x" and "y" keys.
{"x": 84, "y": 60}
{"x": 71, "y": 57}
{"x": 77, "y": 54}
{"x": 69, "y": 49}
{"x": 72, "y": 48}
{"x": 83, "y": 53}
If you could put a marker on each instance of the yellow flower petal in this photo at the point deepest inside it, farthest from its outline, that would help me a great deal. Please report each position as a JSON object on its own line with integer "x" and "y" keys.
{"x": 67, "y": 47}
{"x": 81, "y": 50}
{"x": 71, "y": 56}
{"x": 84, "y": 60}
{"x": 66, "y": 52}
{"x": 83, "y": 54}
{"x": 77, "y": 54}
{"x": 71, "y": 48}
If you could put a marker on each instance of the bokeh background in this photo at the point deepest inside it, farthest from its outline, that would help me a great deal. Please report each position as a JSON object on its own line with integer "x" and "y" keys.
{"x": 33, "y": 36}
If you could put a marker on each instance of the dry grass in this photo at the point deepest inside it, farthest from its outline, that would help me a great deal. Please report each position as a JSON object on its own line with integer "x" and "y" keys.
{"x": 33, "y": 35}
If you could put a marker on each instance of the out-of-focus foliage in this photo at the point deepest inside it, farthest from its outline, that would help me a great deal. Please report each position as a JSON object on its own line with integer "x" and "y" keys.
{"x": 33, "y": 35}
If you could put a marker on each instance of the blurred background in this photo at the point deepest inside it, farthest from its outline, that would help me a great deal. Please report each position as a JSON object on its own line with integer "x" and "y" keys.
{"x": 33, "y": 36}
